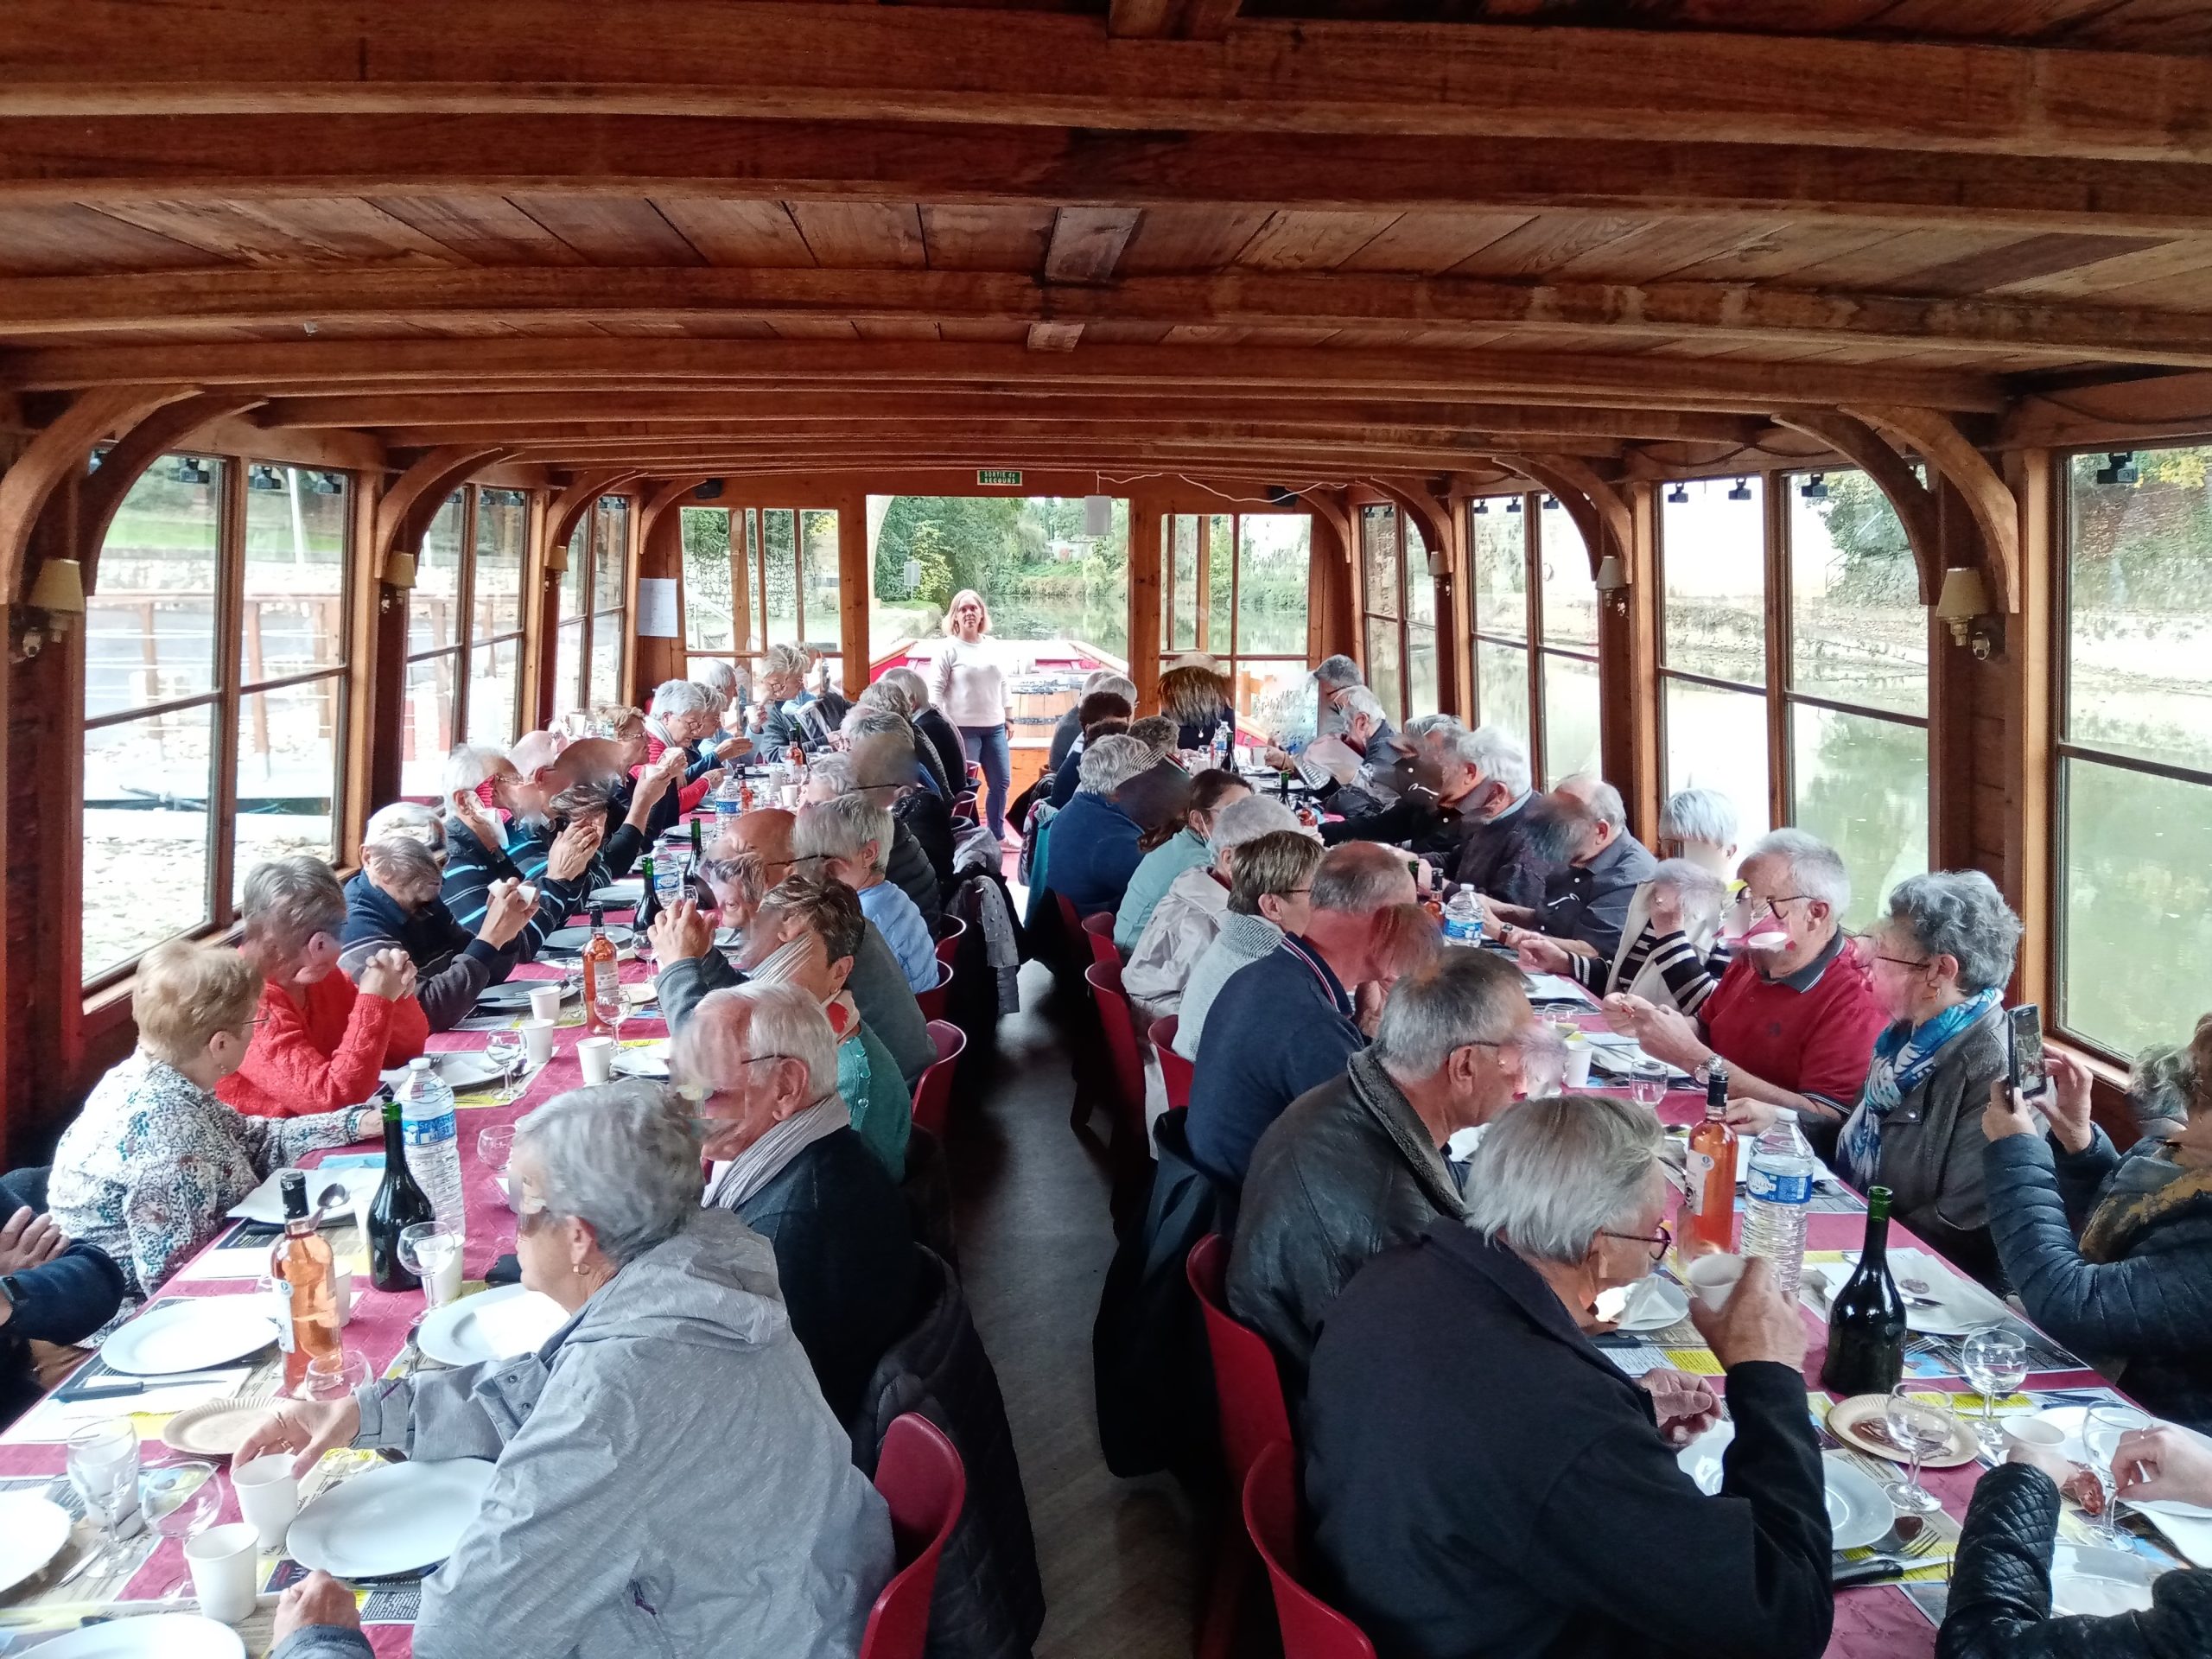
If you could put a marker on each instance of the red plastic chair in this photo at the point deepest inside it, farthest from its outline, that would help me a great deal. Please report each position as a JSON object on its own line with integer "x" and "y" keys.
{"x": 1247, "y": 1395}
{"x": 963, "y": 806}
{"x": 920, "y": 1476}
{"x": 932, "y": 1000}
{"x": 1311, "y": 1628}
{"x": 1100, "y": 930}
{"x": 952, "y": 931}
{"x": 1175, "y": 1072}
{"x": 933, "y": 1089}
{"x": 1105, "y": 980}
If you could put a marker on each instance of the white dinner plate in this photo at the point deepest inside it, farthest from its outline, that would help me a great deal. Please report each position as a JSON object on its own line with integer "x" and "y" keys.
{"x": 195, "y": 1334}
{"x": 396, "y": 1517}
{"x": 615, "y": 894}
{"x": 149, "y": 1636}
{"x": 1858, "y": 1511}
{"x": 496, "y": 1323}
{"x": 266, "y": 1202}
{"x": 2100, "y": 1582}
{"x": 575, "y": 939}
{"x": 513, "y": 994}
{"x": 32, "y": 1531}
{"x": 651, "y": 1061}
{"x": 463, "y": 1069}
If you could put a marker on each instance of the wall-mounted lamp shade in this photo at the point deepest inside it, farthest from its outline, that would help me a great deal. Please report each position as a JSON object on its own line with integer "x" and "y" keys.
{"x": 1965, "y": 596}
{"x": 557, "y": 559}
{"x": 1098, "y": 515}
{"x": 59, "y": 591}
{"x": 1612, "y": 574}
{"x": 399, "y": 570}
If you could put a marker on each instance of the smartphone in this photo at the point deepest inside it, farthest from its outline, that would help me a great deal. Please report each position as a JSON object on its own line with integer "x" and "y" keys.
{"x": 2025, "y": 1026}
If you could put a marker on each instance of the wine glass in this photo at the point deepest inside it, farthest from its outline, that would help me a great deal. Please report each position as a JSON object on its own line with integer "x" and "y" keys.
{"x": 431, "y": 1251}
{"x": 1646, "y": 1089}
{"x": 103, "y": 1465}
{"x": 1996, "y": 1363}
{"x": 495, "y": 1146}
{"x": 1919, "y": 1425}
{"x": 335, "y": 1380}
{"x": 180, "y": 1502}
{"x": 506, "y": 1051}
{"x": 2102, "y": 1433}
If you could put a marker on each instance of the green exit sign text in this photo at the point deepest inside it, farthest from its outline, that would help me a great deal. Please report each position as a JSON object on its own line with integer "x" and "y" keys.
{"x": 986, "y": 476}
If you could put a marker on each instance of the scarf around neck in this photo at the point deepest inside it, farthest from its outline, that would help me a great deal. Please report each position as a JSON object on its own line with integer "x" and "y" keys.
{"x": 768, "y": 1157}
{"x": 1903, "y": 1060}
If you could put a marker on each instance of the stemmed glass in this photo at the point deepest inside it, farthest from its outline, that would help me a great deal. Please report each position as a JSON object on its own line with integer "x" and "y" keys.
{"x": 180, "y": 1502}
{"x": 506, "y": 1051}
{"x": 1996, "y": 1363}
{"x": 1647, "y": 1088}
{"x": 2101, "y": 1433}
{"x": 1919, "y": 1425}
{"x": 103, "y": 1465}
{"x": 431, "y": 1251}
{"x": 334, "y": 1381}
{"x": 495, "y": 1146}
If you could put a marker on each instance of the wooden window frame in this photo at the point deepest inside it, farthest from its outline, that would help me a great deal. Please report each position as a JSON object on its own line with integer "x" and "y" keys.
{"x": 226, "y": 698}
{"x": 1233, "y": 657}
{"x": 1532, "y": 643}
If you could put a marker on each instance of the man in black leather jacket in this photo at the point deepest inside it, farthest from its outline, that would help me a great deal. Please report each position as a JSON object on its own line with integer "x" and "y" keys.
{"x": 1357, "y": 1165}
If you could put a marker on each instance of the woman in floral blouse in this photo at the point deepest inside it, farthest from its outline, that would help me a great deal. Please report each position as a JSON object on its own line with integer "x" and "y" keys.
{"x": 151, "y": 1167}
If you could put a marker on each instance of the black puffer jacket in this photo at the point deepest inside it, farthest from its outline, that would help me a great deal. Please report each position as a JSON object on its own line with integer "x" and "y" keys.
{"x": 2000, "y": 1589}
{"x": 2152, "y": 1307}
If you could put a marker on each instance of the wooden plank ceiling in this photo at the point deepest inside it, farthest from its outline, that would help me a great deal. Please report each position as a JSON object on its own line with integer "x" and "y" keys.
{"x": 1352, "y": 235}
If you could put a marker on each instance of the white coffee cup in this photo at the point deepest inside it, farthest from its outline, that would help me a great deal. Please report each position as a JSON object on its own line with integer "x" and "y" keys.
{"x": 268, "y": 1494}
{"x": 2032, "y": 1434}
{"x": 224, "y": 1562}
{"x": 342, "y": 1285}
{"x": 1713, "y": 1278}
{"x": 545, "y": 1003}
{"x": 1578, "y": 1065}
{"x": 538, "y": 1041}
{"x": 596, "y": 1055}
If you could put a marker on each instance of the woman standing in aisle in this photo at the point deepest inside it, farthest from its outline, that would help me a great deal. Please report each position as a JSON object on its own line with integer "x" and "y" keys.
{"x": 970, "y": 689}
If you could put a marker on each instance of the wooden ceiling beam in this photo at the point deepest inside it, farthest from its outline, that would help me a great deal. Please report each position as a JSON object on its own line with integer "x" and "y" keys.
{"x": 472, "y": 414}
{"x": 1170, "y": 20}
{"x": 247, "y": 156}
{"x": 92, "y": 58}
{"x": 37, "y": 305}
{"x": 1532, "y": 377}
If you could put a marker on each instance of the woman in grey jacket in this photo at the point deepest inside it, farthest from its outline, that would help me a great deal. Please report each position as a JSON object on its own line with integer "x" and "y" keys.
{"x": 612, "y": 1527}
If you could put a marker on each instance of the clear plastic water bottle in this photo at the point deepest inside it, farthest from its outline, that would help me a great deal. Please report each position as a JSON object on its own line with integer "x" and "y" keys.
{"x": 1463, "y": 919}
{"x": 426, "y": 1118}
{"x": 1219, "y": 747}
{"x": 730, "y": 802}
{"x": 1778, "y": 1195}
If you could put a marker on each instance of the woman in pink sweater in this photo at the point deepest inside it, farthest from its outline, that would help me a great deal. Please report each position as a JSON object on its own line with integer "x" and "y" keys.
{"x": 970, "y": 687}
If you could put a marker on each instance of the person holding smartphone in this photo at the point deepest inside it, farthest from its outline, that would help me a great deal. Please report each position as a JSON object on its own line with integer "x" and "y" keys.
{"x": 2133, "y": 1291}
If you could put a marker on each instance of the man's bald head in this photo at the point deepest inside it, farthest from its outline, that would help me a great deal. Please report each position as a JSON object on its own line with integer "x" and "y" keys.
{"x": 766, "y": 833}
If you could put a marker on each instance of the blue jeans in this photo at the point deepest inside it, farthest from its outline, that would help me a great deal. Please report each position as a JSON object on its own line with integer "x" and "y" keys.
{"x": 987, "y": 747}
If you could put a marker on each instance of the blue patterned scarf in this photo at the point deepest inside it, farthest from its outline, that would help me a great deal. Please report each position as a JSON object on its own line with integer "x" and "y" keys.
{"x": 1902, "y": 1059}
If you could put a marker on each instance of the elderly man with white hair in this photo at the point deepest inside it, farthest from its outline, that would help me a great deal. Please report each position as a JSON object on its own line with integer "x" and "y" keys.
{"x": 1358, "y": 1164}
{"x": 848, "y": 839}
{"x": 1600, "y": 867}
{"x": 1453, "y": 1395}
{"x": 684, "y": 713}
{"x": 1506, "y": 855}
{"x": 392, "y": 903}
{"x": 940, "y": 734}
{"x": 1189, "y": 914}
{"x": 1794, "y": 1017}
{"x": 762, "y": 1062}
{"x": 1670, "y": 950}
{"x": 781, "y": 678}
{"x": 1436, "y": 809}
{"x": 1094, "y": 847}
{"x": 487, "y": 804}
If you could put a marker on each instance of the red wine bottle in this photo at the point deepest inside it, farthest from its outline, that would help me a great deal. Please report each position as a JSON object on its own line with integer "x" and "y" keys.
{"x": 1866, "y": 1321}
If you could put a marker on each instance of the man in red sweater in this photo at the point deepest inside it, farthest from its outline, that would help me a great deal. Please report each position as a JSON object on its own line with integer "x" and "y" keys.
{"x": 1795, "y": 1017}
{"x": 319, "y": 1040}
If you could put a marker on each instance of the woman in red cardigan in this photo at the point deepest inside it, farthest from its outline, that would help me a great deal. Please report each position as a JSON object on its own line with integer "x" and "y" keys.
{"x": 319, "y": 1041}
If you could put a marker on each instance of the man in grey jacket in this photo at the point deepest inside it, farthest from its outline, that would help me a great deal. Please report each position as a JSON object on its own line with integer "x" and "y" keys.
{"x": 1358, "y": 1164}
{"x": 667, "y": 1478}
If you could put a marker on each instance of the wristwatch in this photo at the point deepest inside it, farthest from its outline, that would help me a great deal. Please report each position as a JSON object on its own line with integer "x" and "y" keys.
{"x": 10, "y": 1296}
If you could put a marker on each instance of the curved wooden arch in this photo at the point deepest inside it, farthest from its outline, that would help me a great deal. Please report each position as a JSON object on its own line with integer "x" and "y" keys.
{"x": 573, "y": 503}
{"x": 1433, "y": 510}
{"x": 1996, "y": 510}
{"x": 1596, "y": 533}
{"x": 1913, "y": 502}
{"x": 1320, "y": 501}
{"x": 62, "y": 449}
{"x": 410, "y": 501}
{"x": 162, "y": 431}
{"x": 669, "y": 495}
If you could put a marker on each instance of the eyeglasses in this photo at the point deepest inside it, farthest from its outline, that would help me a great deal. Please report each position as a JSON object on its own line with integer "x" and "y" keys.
{"x": 1659, "y": 1242}
{"x": 1903, "y": 962}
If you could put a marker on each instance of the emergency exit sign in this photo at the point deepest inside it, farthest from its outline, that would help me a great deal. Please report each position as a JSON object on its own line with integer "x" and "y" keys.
{"x": 987, "y": 476}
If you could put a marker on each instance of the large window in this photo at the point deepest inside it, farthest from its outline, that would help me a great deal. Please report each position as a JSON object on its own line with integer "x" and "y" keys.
{"x": 215, "y": 695}
{"x": 590, "y": 636}
{"x": 1535, "y": 644}
{"x": 1501, "y": 602}
{"x": 758, "y": 576}
{"x": 464, "y": 632}
{"x": 2134, "y": 862}
{"x": 1234, "y": 586}
{"x": 1398, "y": 623}
{"x": 1813, "y": 604}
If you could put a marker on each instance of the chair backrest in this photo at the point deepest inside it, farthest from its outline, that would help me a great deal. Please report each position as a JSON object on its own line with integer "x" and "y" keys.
{"x": 1175, "y": 1072}
{"x": 933, "y": 1089}
{"x": 921, "y": 1479}
{"x": 1311, "y": 1628}
{"x": 1247, "y": 1389}
{"x": 1105, "y": 978}
{"x": 1069, "y": 920}
{"x": 964, "y": 803}
{"x": 950, "y": 931}
{"x": 1099, "y": 930}
{"x": 932, "y": 1000}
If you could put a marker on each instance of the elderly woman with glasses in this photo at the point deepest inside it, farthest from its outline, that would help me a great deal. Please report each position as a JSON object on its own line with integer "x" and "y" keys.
{"x": 150, "y": 1169}
{"x": 322, "y": 1038}
{"x": 1941, "y": 958}
{"x": 667, "y": 1478}
{"x": 762, "y": 1061}
{"x": 393, "y": 904}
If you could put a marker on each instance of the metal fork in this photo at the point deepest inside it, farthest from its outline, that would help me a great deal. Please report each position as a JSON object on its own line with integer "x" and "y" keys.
{"x": 1910, "y": 1541}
